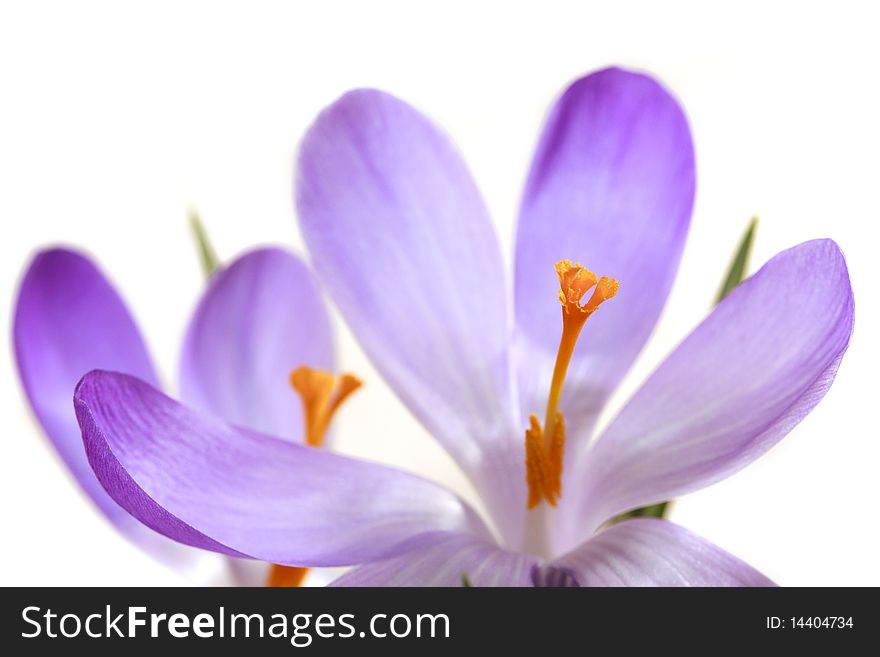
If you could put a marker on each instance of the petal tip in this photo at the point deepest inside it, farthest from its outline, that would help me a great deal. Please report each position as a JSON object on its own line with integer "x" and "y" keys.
{"x": 51, "y": 261}
{"x": 625, "y": 82}
{"x": 86, "y": 385}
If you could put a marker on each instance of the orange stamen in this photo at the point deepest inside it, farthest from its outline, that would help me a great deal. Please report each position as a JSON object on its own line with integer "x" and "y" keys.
{"x": 545, "y": 448}
{"x": 543, "y": 464}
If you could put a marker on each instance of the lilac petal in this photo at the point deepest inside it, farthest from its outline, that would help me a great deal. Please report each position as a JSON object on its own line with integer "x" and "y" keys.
{"x": 650, "y": 552}
{"x": 69, "y": 320}
{"x": 611, "y": 186}
{"x": 260, "y": 318}
{"x": 444, "y": 559}
{"x": 400, "y": 236}
{"x": 206, "y": 483}
{"x": 742, "y": 380}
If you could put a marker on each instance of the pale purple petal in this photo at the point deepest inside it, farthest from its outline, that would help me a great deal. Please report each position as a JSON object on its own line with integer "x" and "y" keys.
{"x": 445, "y": 559}
{"x": 203, "y": 482}
{"x": 260, "y": 318}
{"x": 649, "y": 552}
{"x": 68, "y": 321}
{"x": 740, "y": 382}
{"x": 398, "y": 233}
{"x": 611, "y": 186}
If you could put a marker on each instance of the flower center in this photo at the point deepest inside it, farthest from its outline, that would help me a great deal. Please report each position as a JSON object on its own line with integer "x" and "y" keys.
{"x": 545, "y": 446}
{"x": 321, "y": 394}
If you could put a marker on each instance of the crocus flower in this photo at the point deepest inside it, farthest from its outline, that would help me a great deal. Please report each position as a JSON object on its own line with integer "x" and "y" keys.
{"x": 402, "y": 241}
{"x": 258, "y": 319}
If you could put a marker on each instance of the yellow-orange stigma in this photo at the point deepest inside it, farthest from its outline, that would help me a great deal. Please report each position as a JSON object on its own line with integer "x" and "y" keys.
{"x": 321, "y": 394}
{"x": 545, "y": 446}
{"x": 574, "y": 283}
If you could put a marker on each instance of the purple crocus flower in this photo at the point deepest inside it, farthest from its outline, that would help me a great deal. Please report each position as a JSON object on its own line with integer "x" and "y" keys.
{"x": 401, "y": 239}
{"x": 258, "y": 319}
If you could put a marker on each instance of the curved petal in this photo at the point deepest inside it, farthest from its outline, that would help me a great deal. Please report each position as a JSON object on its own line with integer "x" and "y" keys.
{"x": 446, "y": 560}
{"x": 400, "y": 236}
{"x": 206, "y": 483}
{"x": 69, "y": 320}
{"x": 742, "y": 380}
{"x": 649, "y": 552}
{"x": 611, "y": 186}
{"x": 260, "y": 318}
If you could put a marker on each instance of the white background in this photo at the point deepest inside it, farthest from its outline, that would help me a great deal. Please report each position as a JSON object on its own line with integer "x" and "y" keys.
{"x": 117, "y": 117}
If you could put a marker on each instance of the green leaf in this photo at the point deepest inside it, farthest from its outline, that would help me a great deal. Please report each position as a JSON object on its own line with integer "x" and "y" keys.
{"x": 740, "y": 264}
{"x": 207, "y": 255}
{"x": 465, "y": 581}
{"x": 658, "y": 510}
{"x": 736, "y": 273}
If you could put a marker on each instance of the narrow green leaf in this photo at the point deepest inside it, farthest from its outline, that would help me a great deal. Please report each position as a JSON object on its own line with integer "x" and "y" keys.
{"x": 740, "y": 264}
{"x": 207, "y": 255}
{"x": 736, "y": 273}
{"x": 465, "y": 581}
{"x": 658, "y": 510}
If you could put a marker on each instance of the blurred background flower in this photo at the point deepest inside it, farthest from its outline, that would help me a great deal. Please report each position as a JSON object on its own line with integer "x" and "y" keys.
{"x": 259, "y": 318}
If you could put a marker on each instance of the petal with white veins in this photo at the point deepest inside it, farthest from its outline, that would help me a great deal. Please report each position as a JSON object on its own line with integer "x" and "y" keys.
{"x": 399, "y": 235}
{"x": 649, "y": 552}
{"x": 446, "y": 559}
{"x": 203, "y": 482}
